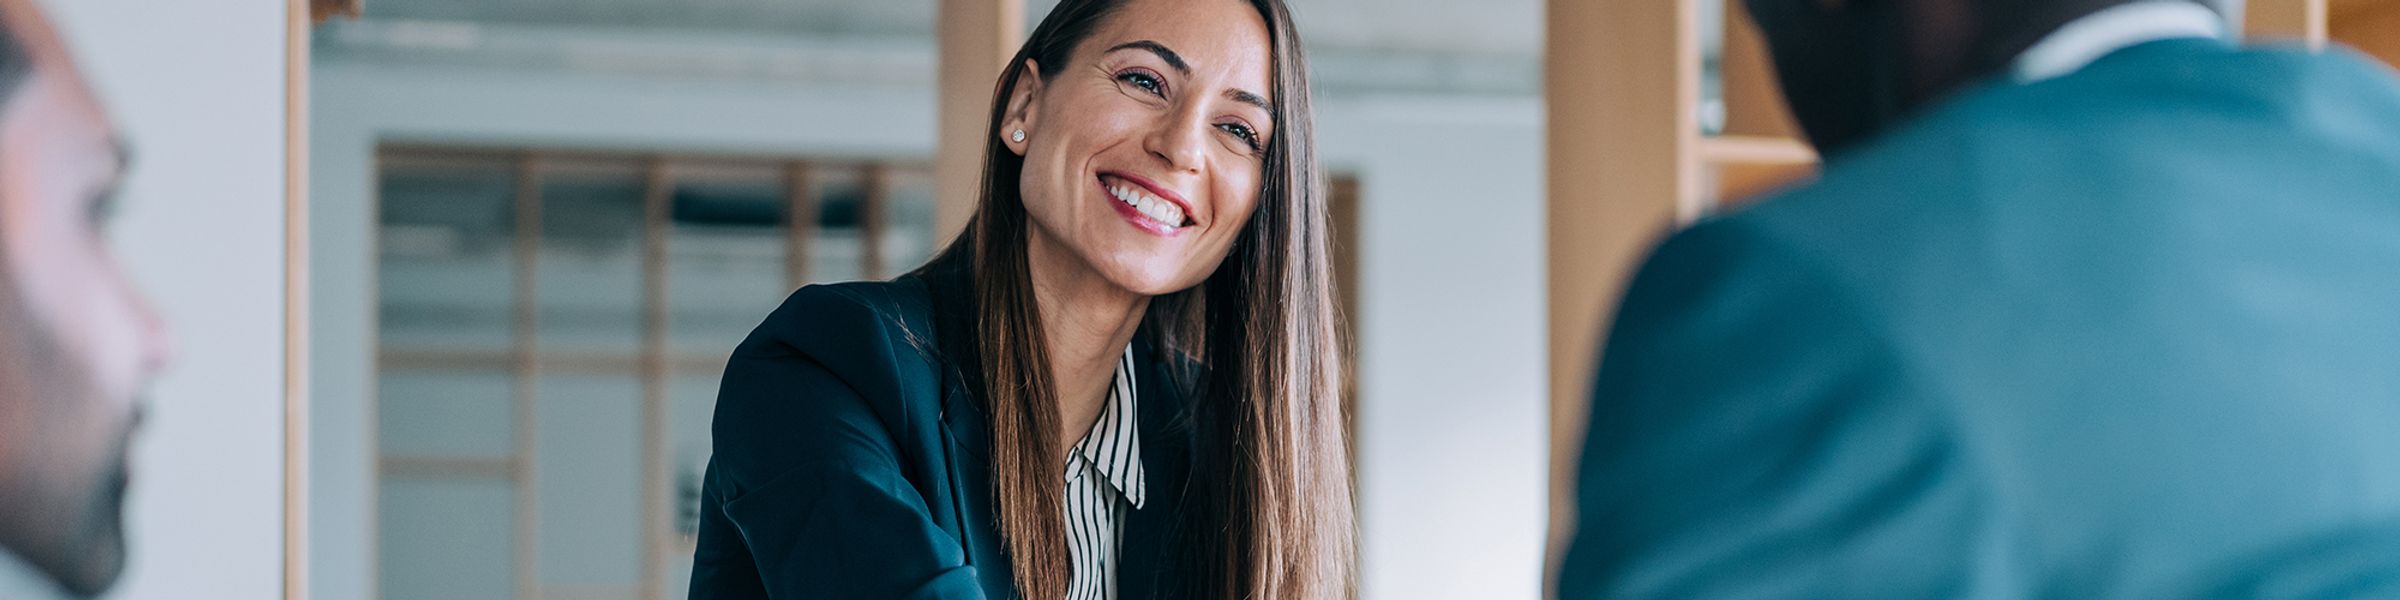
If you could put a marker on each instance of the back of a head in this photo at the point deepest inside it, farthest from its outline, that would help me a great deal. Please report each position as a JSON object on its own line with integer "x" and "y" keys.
{"x": 1851, "y": 69}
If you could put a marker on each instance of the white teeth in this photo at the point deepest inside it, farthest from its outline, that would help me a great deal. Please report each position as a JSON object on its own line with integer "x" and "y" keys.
{"x": 1150, "y": 206}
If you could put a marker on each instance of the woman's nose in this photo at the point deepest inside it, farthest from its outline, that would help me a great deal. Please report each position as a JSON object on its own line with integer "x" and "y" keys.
{"x": 1179, "y": 140}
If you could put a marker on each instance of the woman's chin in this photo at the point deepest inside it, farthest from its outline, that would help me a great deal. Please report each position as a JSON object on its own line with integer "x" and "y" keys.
{"x": 1147, "y": 281}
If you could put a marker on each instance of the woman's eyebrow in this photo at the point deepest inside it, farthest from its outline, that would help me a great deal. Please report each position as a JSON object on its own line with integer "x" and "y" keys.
{"x": 1165, "y": 54}
{"x": 1250, "y": 98}
{"x": 1176, "y": 61}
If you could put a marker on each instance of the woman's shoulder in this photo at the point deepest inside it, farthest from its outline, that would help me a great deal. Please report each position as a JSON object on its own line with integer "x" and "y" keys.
{"x": 841, "y": 373}
{"x": 875, "y": 338}
{"x": 895, "y": 316}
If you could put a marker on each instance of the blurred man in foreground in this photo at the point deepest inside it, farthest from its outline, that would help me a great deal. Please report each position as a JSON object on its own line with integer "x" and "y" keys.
{"x": 77, "y": 343}
{"x": 2087, "y": 303}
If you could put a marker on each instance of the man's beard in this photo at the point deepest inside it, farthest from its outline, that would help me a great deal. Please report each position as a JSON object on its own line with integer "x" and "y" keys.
{"x": 100, "y": 536}
{"x": 58, "y": 513}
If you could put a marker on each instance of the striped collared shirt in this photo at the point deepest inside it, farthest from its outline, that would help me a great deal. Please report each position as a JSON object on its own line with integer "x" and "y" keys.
{"x": 1104, "y": 478}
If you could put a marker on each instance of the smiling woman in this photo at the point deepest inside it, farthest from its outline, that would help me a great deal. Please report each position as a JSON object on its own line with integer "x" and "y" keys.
{"x": 1141, "y": 302}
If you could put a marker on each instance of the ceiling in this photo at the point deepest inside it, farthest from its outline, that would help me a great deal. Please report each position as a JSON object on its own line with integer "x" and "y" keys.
{"x": 850, "y": 17}
{"x": 1436, "y": 46}
{"x": 1506, "y": 27}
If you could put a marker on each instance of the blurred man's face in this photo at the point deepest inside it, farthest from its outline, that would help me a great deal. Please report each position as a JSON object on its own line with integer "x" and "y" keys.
{"x": 77, "y": 344}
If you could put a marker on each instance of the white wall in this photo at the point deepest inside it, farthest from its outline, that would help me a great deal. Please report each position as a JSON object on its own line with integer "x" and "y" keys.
{"x": 1454, "y": 411}
{"x": 198, "y": 88}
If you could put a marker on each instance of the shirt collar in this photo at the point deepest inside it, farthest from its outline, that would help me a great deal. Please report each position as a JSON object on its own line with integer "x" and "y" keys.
{"x": 2087, "y": 39}
{"x": 1114, "y": 445}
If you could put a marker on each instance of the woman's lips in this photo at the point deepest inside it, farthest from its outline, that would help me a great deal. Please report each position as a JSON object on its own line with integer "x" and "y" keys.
{"x": 1146, "y": 210}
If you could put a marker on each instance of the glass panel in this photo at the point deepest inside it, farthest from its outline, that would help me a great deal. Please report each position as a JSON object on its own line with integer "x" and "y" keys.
{"x": 445, "y": 242}
{"x": 590, "y": 267}
{"x": 839, "y": 247}
{"x": 908, "y": 237}
{"x": 445, "y": 539}
{"x": 726, "y": 273}
{"x": 590, "y": 474}
{"x": 1712, "y": 63}
{"x": 725, "y": 258}
{"x": 446, "y": 418}
{"x": 446, "y": 413}
{"x": 446, "y": 236}
{"x": 590, "y": 339}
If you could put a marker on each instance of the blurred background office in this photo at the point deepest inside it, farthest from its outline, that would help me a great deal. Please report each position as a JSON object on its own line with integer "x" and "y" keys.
{"x": 537, "y": 227}
{"x": 540, "y": 226}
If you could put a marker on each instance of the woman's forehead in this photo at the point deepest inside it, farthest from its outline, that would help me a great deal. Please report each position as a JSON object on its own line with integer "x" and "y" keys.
{"x": 1227, "y": 38}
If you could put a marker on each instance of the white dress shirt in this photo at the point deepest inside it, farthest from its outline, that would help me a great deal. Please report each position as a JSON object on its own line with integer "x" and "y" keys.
{"x": 1104, "y": 480}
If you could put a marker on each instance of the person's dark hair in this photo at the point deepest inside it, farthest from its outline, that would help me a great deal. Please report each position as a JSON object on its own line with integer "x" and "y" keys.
{"x": 1266, "y": 408}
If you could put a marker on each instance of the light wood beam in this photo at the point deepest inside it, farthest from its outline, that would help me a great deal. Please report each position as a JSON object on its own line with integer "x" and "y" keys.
{"x": 1623, "y": 85}
{"x": 525, "y": 513}
{"x": 2303, "y": 20}
{"x": 297, "y": 19}
{"x": 800, "y": 221}
{"x": 976, "y": 38}
{"x": 657, "y": 483}
{"x": 873, "y": 208}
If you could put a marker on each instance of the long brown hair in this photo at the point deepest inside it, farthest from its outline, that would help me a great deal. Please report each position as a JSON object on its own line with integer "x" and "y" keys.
{"x": 1266, "y": 409}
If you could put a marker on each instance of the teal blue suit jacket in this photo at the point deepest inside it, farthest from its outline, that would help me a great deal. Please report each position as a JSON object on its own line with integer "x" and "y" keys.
{"x": 2129, "y": 333}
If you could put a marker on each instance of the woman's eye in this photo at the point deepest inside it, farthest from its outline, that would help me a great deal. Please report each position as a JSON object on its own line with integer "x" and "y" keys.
{"x": 1242, "y": 131}
{"x": 1144, "y": 81}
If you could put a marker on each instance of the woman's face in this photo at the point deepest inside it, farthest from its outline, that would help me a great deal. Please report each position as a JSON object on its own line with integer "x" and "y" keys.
{"x": 1144, "y": 154}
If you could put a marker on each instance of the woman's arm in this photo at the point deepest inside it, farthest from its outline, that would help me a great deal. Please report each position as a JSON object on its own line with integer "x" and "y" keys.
{"x": 804, "y": 496}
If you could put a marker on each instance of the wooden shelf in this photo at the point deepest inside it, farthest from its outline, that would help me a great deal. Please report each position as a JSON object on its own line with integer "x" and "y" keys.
{"x": 1744, "y": 167}
{"x": 2371, "y": 26}
{"x": 1755, "y": 150}
{"x": 2344, "y": 9}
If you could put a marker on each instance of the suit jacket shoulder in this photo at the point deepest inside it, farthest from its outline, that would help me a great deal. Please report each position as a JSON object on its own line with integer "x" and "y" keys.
{"x": 830, "y": 473}
{"x": 2152, "y": 294}
{"x": 875, "y": 337}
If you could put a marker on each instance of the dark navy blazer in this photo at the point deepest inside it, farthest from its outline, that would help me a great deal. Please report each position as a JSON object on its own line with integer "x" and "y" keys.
{"x": 852, "y": 456}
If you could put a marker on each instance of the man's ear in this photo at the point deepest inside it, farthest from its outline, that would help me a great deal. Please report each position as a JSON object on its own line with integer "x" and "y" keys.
{"x": 1019, "y": 116}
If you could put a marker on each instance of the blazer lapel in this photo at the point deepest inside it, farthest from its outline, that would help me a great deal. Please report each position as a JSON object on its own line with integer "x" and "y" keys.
{"x": 968, "y": 433}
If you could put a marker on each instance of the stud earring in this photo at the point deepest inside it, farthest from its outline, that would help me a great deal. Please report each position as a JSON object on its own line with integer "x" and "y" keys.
{"x": 1018, "y": 137}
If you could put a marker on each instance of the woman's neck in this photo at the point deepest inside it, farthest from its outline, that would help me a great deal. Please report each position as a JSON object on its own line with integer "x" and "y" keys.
{"x": 1087, "y": 322}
